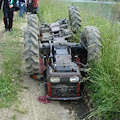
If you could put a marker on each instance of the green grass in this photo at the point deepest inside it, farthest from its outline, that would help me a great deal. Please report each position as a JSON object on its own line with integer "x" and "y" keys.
{"x": 105, "y": 82}
{"x": 104, "y": 75}
{"x": 50, "y": 11}
{"x": 102, "y": 10}
{"x": 1, "y": 15}
{"x": 10, "y": 50}
{"x": 14, "y": 117}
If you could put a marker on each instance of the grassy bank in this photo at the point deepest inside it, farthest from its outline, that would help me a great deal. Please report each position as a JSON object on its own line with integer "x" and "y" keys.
{"x": 104, "y": 76}
{"x": 105, "y": 82}
{"x": 10, "y": 50}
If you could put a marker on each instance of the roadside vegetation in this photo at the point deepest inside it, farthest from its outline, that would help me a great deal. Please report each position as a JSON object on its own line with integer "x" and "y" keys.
{"x": 10, "y": 63}
{"x": 104, "y": 76}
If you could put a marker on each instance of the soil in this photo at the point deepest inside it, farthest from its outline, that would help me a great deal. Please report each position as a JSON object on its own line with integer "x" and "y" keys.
{"x": 29, "y": 108}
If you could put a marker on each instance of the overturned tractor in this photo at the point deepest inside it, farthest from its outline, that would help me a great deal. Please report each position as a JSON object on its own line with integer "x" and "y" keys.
{"x": 49, "y": 54}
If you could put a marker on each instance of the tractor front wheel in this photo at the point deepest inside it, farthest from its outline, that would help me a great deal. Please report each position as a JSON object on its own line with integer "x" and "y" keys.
{"x": 90, "y": 38}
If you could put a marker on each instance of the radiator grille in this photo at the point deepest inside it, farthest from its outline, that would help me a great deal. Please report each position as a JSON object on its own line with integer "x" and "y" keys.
{"x": 64, "y": 90}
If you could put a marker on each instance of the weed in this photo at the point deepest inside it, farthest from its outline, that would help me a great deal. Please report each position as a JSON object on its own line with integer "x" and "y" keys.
{"x": 14, "y": 117}
{"x": 21, "y": 110}
{"x": 25, "y": 87}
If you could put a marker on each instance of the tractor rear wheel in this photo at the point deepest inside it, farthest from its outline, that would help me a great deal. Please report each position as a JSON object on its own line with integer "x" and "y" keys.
{"x": 74, "y": 18}
{"x": 90, "y": 38}
{"x": 31, "y": 47}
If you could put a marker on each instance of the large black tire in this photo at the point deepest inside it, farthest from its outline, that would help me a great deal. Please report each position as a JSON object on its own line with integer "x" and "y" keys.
{"x": 33, "y": 21}
{"x": 31, "y": 47}
{"x": 90, "y": 37}
{"x": 74, "y": 18}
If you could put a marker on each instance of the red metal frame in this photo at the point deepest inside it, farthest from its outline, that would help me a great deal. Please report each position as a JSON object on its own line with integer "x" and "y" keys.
{"x": 49, "y": 88}
{"x": 78, "y": 90}
{"x": 77, "y": 59}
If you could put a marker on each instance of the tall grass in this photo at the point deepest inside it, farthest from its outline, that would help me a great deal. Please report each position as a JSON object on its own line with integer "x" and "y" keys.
{"x": 103, "y": 10}
{"x": 51, "y": 10}
{"x": 105, "y": 75}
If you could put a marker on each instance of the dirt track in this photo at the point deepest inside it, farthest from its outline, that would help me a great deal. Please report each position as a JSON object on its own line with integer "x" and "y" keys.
{"x": 29, "y": 108}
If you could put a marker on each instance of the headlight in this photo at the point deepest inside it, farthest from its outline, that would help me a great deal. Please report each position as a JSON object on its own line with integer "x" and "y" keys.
{"x": 54, "y": 79}
{"x": 74, "y": 79}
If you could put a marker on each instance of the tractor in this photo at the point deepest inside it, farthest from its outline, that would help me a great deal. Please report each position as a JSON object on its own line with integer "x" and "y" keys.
{"x": 50, "y": 54}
